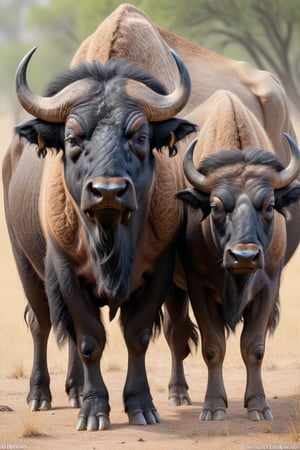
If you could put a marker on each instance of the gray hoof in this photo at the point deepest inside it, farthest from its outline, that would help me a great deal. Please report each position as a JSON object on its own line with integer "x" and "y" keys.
{"x": 256, "y": 415}
{"x": 146, "y": 418}
{"x": 75, "y": 402}
{"x": 179, "y": 400}
{"x": 208, "y": 414}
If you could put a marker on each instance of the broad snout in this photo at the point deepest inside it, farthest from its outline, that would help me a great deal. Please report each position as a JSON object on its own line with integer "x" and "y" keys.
{"x": 108, "y": 201}
{"x": 243, "y": 258}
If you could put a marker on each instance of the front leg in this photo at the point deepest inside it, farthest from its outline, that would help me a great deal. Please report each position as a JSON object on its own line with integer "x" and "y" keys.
{"x": 136, "y": 395}
{"x": 94, "y": 411}
{"x": 74, "y": 379}
{"x": 210, "y": 321}
{"x": 74, "y": 314}
{"x": 256, "y": 321}
{"x": 137, "y": 318}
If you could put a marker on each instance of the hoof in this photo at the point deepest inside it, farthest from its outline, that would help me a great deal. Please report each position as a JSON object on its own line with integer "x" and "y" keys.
{"x": 147, "y": 418}
{"x": 75, "y": 402}
{"x": 45, "y": 405}
{"x": 208, "y": 414}
{"x": 220, "y": 414}
{"x": 179, "y": 400}
{"x": 81, "y": 424}
{"x": 104, "y": 422}
{"x": 37, "y": 405}
{"x": 256, "y": 415}
{"x": 93, "y": 423}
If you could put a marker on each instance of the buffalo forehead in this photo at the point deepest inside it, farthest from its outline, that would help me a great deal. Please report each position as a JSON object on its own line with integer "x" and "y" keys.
{"x": 238, "y": 175}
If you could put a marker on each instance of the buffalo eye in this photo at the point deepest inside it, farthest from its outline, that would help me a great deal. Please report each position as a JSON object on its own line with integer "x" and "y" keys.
{"x": 138, "y": 136}
{"x": 218, "y": 211}
{"x": 265, "y": 205}
{"x": 73, "y": 147}
{"x": 142, "y": 138}
{"x": 268, "y": 210}
{"x": 73, "y": 139}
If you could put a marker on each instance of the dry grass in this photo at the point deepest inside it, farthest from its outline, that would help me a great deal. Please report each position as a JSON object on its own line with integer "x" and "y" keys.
{"x": 294, "y": 423}
{"x": 17, "y": 371}
{"x": 31, "y": 428}
{"x": 294, "y": 431}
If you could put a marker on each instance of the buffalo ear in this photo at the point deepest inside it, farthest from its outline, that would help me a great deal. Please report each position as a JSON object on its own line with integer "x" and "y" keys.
{"x": 287, "y": 195}
{"x": 168, "y": 132}
{"x": 196, "y": 200}
{"x": 45, "y": 135}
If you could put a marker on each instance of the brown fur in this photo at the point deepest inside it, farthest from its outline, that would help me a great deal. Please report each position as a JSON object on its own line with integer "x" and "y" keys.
{"x": 62, "y": 219}
{"x": 127, "y": 33}
{"x": 225, "y": 122}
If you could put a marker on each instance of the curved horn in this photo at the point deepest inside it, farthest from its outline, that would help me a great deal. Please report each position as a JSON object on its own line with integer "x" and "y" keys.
{"x": 291, "y": 172}
{"x": 197, "y": 179}
{"x": 51, "y": 109}
{"x": 161, "y": 107}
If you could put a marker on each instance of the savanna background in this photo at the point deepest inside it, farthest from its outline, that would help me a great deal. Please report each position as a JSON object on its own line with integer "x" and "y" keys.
{"x": 263, "y": 33}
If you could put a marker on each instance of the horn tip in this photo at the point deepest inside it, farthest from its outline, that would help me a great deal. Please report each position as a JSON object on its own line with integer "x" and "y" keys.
{"x": 19, "y": 78}
{"x": 289, "y": 138}
{"x": 29, "y": 54}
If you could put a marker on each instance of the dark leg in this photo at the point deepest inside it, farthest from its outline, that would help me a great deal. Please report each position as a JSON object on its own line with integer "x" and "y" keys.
{"x": 256, "y": 319}
{"x": 39, "y": 397}
{"x": 209, "y": 318}
{"x": 72, "y": 310}
{"x": 179, "y": 332}
{"x": 38, "y": 318}
{"x": 137, "y": 319}
{"x": 74, "y": 380}
{"x": 94, "y": 411}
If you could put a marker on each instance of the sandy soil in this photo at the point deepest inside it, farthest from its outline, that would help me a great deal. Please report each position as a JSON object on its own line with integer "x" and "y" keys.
{"x": 180, "y": 428}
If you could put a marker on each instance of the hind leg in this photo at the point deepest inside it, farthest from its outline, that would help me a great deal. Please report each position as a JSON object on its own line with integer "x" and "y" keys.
{"x": 179, "y": 332}
{"x": 39, "y": 396}
{"x": 38, "y": 318}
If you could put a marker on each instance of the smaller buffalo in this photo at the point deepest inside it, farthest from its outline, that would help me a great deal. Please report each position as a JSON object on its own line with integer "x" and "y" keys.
{"x": 236, "y": 240}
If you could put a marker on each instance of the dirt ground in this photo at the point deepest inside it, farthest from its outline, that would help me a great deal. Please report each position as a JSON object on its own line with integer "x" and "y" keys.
{"x": 180, "y": 428}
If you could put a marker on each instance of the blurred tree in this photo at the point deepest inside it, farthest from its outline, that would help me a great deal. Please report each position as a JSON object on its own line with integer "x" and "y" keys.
{"x": 268, "y": 31}
{"x": 12, "y": 18}
{"x": 14, "y": 36}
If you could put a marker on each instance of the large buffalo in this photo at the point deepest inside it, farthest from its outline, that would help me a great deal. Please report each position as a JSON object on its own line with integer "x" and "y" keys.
{"x": 95, "y": 223}
{"x": 236, "y": 240}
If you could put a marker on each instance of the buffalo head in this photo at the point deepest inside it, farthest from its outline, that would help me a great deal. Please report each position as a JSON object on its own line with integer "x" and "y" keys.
{"x": 240, "y": 191}
{"x": 106, "y": 120}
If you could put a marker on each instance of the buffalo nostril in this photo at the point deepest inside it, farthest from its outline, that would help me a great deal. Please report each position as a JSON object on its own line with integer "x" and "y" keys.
{"x": 245, "y": 255}
{"x": 101, "y": 190}
{"x": 109, "y": 201}
{"x": 95, "y": 190}
{"x": 121, "y": 191}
